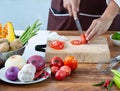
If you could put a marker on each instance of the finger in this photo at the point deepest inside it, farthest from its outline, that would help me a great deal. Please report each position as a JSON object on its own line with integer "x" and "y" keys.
{"x": 70, "y": 10}
{"x": 92, "y": 34}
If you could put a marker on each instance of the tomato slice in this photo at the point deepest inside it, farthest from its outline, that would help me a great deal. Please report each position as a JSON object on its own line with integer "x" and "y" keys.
{"x": 57, "y": 44}
{"x": 83, "y": 39}
{"x": 76, "y": 42}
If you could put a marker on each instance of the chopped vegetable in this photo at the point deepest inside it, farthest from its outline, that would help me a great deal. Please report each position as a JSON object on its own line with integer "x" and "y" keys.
{"x": 81, "y": 41}
{"x": 57, "y": 44}
{"x": 76, "y": 42}
{"x": 116, "y": 36}
{"x": 30, "y": 32}
{"x": 7, "y": 31}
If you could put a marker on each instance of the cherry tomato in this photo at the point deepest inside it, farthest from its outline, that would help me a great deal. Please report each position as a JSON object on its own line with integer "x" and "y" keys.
{"x": 60, "y": 75}
{"x": 76, "y": 42}
{"x": 56, "y": 61}
{"x": 54, "y": 69}
{"x": 83, "y": 39}
{"x": 71, "y": 62}
{"x": 57, "y": 44}
{"x": 67, "y": 69}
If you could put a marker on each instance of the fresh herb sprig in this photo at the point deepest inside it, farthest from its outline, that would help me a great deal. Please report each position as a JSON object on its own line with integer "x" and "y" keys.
{"x": 30, "y": 31}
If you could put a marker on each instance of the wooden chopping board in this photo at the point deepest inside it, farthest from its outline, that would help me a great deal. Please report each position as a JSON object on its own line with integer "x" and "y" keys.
{"x": 93, "y": 52}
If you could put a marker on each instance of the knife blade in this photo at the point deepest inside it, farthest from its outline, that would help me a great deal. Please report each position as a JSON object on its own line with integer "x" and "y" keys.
{"x": 77, "y": 22}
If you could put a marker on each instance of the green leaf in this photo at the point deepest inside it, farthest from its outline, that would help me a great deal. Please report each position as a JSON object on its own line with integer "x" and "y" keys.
{"x": 116, "y": 36}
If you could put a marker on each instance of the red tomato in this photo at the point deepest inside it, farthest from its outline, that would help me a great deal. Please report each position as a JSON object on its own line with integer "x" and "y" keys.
{"x": 60, "y": 75}
{"x": 71, "y": 62}
{"x": 56, "y": 61}
{"x": 76, "y": 42}
{"x": 54, "y": 69}
{"x": 67, "y": 69}
{"x": 83, "y": 39}
{"x": 57, "y": 44}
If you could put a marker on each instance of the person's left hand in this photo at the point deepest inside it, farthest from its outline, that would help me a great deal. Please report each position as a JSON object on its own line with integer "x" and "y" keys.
{"x": 98, "y": 26}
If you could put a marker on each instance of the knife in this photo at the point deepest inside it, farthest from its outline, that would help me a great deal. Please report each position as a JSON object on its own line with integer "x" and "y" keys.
{"x": 77, "y": 22}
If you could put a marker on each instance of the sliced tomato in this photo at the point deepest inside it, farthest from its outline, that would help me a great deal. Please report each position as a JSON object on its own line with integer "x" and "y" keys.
{"x": 76, "y": 42}
{"x": 57, "y": 44}
{"x": 83, "y": 39}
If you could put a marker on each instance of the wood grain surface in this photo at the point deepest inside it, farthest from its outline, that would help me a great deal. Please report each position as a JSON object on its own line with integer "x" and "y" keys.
{"x": 92, "y": 52}
{"x": 80, "y": 80}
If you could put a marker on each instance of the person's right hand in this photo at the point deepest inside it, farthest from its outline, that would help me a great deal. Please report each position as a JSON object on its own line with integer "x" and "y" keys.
{"x": 72, "y": 6}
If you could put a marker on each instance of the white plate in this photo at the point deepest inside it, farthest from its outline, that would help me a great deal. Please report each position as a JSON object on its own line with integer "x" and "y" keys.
{"x": 3, "y": 78}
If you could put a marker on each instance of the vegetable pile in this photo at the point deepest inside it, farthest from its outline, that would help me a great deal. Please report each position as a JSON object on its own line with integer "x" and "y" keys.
{"x": 20, "y": 69}
{"x": 105, "y": 84}
{"x": 9, "y": 42}
{"x": 60, "y": 69}
{"x": 109, "y": 82}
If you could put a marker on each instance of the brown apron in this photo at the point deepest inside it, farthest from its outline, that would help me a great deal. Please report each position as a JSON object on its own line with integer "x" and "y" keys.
{"x": 60, "y": 20}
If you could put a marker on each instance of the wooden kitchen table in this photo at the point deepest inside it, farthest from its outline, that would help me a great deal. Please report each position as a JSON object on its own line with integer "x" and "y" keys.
{"x": 80, "y": 80}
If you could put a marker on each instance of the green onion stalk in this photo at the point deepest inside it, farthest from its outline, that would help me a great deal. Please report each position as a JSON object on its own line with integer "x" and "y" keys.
{"x": 29, "y": 32}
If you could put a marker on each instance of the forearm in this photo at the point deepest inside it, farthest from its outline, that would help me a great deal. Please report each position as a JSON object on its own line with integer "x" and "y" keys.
{"x": 111, "y": 11}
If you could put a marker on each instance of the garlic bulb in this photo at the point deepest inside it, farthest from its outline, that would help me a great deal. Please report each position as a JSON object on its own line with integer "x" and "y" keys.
{"x": 29, "y": 67}
{"x": 25, "y": 76}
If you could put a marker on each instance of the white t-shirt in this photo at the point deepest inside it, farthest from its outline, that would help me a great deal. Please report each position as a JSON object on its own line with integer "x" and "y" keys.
{"x": 116, "y": 1}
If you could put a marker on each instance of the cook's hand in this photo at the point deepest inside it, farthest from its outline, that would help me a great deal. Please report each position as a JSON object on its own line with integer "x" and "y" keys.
{"x": 72, "y": 6}
{"x": 98, "y": 26}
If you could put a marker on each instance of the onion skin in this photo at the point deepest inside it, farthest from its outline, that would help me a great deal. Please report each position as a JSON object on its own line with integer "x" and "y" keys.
{"x": 11, "y": 73}
{"x": 37, "y": 61}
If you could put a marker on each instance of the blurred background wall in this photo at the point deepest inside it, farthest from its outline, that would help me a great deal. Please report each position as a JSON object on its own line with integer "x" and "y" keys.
{"x": 24, "y": 12}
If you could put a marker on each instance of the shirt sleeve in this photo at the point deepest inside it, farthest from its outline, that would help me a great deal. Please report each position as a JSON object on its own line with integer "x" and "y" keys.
{"x": 117, "y": 2}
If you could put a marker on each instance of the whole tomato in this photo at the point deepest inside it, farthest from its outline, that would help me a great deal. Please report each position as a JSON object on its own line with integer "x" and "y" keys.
{"x": 56, "y": 61}
{"x": 60, "y": 75}
{"x": 71, "y": 62}
{"x": 67, "y": 69}
{"x": 54, "y": 69}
